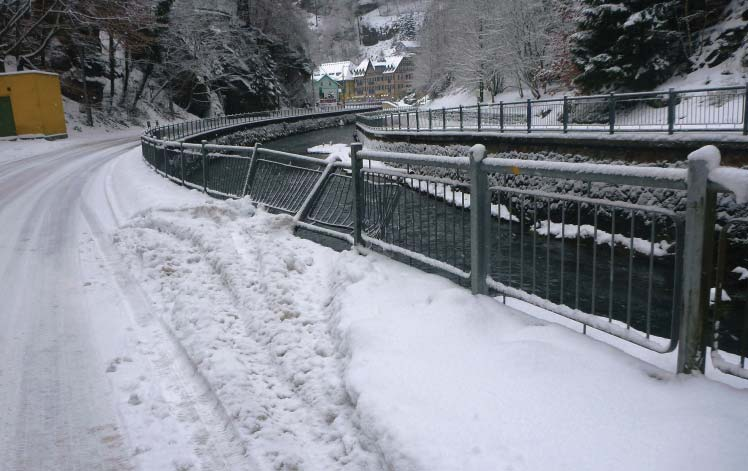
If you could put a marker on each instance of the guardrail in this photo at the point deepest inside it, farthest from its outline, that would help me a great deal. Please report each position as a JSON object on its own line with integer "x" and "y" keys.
{"x": 638, "y": 272}
{"x": 707, "y": 109}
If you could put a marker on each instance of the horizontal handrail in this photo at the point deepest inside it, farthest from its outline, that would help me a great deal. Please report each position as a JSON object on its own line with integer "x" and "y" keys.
{"x": 672, "y": 178}
{"x": 416, "y": 159}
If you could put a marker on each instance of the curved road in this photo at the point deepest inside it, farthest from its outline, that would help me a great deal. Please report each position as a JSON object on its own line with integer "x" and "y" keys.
{"x": 60, "y": 409}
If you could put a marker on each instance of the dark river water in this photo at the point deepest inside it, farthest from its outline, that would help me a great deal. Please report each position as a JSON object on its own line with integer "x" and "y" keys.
{"x": 563, "y": 271}
{"x": 299, "y": 143}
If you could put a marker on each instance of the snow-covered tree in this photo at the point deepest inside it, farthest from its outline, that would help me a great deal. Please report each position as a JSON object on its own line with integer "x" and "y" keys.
{"x": 628, "y": 44}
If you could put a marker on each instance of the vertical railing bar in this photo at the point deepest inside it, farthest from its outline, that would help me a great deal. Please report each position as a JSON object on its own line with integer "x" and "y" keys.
{"x": 499, "y": 254}
{"x": 612, "y": 263}
{"x": 631, "y": 270}
{"x": 651, "y": 274}
{"x": 454, "y": 231}
{"x": 534, "y": 241}
{"x": 205, "y": 170}
{"x": 548, "y": 252}
{"x": 462, "y": 226}
{"x": 522, "y": 242}
{"x": 562, "y": 271}
{"x": 578, "y": 240}
{"x": 594, "y": 259}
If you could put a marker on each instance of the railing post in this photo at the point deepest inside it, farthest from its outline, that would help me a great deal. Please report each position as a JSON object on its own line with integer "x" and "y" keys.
{"x": 611, "y": 113}
{"x": 480, "y": 219}
{"x": 697, "y": 260}
{"x": 407, "y": 119}
{"x": 358, "y": 193}
{"x": 461, "y": 118}
{"x": 670, "y": 111}
{"x": 745, "y": 111}
{"x": 418, "y": 121}
{"x": 478, "y": 117}
{"x": 204, "y": 155}
{"x": 181, "y": 161}
{"x": 399, "y": 121}
{"x": 565, "y": 114}
{"x": 249, "y": 179}
{"x": 430, "y": 120}
{"x": 529, "y": 115}
{"x": 501, "y": 116}
{"x": 444, "y": 119}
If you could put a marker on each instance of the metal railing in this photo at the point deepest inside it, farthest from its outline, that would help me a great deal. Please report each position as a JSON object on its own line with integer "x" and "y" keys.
{"x": 193, "y": 128}
{"x": 638, "y": 272}
{"x": 737, "y": 319}
{"x": 707, "y": 109}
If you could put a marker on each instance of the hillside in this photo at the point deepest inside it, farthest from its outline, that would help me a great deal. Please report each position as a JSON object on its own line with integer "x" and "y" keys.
{"x": 588, "y": 47}
{"x": 358, "y": 29}
{"x": 131, "y": 61}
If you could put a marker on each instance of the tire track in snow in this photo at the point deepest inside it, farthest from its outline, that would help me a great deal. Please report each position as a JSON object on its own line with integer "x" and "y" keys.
{"x": 286, "y": 391}
{"x": 189, "y": 396}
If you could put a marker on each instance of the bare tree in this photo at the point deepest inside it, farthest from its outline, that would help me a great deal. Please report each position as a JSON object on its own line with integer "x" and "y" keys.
{"x": 488, "y": 44}
{"x": 26, "y": 29}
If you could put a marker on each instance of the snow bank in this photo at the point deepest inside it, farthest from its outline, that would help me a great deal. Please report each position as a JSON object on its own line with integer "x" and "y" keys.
{"x": 450, "y": 381}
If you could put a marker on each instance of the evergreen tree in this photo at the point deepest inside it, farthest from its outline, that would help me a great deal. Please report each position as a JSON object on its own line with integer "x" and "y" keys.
{"x": 629, "y": 45}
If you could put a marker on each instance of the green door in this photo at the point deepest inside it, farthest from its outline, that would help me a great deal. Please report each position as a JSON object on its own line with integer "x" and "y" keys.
{"x": 7, "y": 124}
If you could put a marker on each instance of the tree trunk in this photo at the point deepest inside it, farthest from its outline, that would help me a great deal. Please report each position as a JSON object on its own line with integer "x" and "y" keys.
{"x": 86, "y": 99}
{"x": 112, "y": 71}
{"x": 171, "y": 99}
{"x": 125, "y": 77}
{"x": 519, "y": 85}
{"x": 141, "y": 86}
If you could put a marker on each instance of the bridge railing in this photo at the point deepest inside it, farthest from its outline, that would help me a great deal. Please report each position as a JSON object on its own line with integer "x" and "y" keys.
{"x": 640, "y": 272}
{"x": 707, "y": 109}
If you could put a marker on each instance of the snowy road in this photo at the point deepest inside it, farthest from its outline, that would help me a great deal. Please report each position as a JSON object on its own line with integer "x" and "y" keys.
{"x": 56, "y": 405}
{"x": 66, "y": 328}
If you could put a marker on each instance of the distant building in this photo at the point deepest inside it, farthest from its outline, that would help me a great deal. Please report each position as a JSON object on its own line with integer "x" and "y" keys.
{"x": 341, "y": 74}
{"x": 389, "y": 77}
{"x": 406, "y": 46}
{"x": 328, "y": 89}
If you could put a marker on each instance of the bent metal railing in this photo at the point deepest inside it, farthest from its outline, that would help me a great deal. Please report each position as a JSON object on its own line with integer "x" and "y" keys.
{"x": 707, "y": 109}
{"x": 471, "y": 219}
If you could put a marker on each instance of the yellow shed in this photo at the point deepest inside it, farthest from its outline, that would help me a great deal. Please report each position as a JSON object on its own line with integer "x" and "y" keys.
{"x": 31, "y": 105}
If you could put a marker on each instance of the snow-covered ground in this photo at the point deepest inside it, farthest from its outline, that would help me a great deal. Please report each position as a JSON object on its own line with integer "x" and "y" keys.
{"x": 146, "y": 326}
